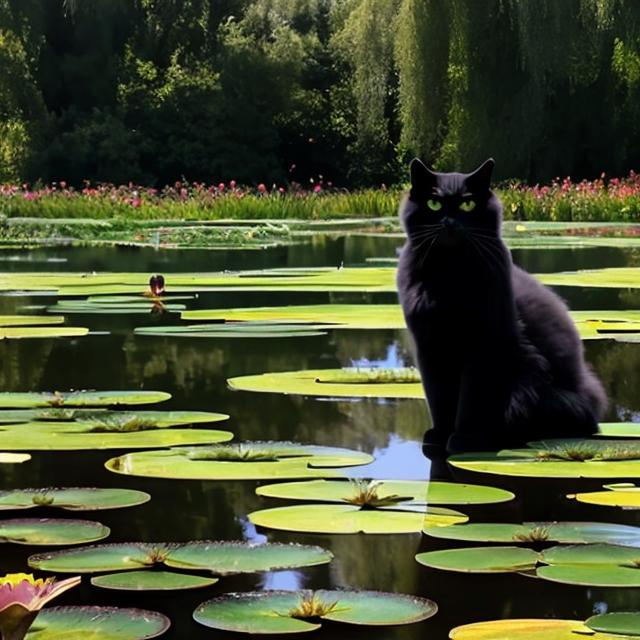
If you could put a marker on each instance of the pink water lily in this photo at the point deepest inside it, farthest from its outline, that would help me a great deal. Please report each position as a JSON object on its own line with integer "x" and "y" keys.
{"x": 22, "y": 596}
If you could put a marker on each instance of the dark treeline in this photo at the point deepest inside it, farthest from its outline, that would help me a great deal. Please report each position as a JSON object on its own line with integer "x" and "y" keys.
{"x": 152, "y": 91}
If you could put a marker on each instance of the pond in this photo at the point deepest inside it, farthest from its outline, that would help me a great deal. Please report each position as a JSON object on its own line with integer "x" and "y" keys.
{"x": 195, "y": 371}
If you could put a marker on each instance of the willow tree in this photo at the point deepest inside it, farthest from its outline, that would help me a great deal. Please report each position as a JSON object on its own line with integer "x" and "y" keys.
{"x": 365, "y": 43}
{"x": 422, "y": 58}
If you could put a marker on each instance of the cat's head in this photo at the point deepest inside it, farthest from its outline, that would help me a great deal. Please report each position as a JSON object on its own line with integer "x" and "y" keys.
{"x": 453, "y": 206}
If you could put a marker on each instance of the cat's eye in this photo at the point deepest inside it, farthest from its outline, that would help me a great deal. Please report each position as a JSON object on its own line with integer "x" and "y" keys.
{"x": 467, "y": 205}
{"x": 434, "y": 205}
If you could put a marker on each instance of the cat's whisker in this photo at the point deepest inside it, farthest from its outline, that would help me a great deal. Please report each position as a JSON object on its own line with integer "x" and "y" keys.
{"x": 426, "y": 254}
{"x": 489, "y": 258}
{"x": 424, "y": 241}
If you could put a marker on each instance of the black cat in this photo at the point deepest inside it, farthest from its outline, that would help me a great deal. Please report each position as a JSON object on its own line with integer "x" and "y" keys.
{"x": 500, "y": 358}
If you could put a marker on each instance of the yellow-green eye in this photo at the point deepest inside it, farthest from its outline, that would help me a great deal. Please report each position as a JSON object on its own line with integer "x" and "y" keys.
{"x": 467, "y": 205}
{"x": 434, "y": 205}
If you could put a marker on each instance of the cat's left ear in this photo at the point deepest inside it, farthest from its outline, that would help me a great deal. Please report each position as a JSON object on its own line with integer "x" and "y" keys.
{"x": 480, "y": 179}
{"x": 422, "y": 178}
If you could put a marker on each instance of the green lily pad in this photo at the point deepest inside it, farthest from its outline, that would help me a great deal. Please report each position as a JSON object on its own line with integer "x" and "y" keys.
{"x": 76, "y": 499}
{"x": 219, "y": 558}
{"x": 246, "y": 461}
{"x": 151, "y": 581}
{"x": 624, "y": 495}
{"x": 142, "y": 307}
{"x": 603, "y": 565}
{"x": 70, "y": 436}
{"x": 97, "y": 623}
{"x": 617, "y": 277}
{"x": 350, "y": 383}
{"x": 624, "y": 623}
{"x": 14, "y": 333}
{"x": 559, "y": 459}
{"x": 233, "y": 330}
{"x": 25, "y": 321}
{"x": 348, "y": 518}
{"x": 532, "y": 532}
{"x": 481, "y": 559}
{"x": 14, "y": 458}
{"x": 338, "y": 316}
{"x": 80, "y": 398}
{"x": 285, "y": 611}
{"x": 526, "y": 629}
{"x": 49, "y": 531}
{"x": 620, "y": 429}
{"x": 389, "y": 491}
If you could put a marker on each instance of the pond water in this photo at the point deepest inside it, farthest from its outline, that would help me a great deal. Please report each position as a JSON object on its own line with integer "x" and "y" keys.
{"x": 195, "y": 373}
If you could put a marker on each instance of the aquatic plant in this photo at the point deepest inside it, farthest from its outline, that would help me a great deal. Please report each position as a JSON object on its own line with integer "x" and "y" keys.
{"x": 365, "y": 493}
{"x": 312, "y": 606}
{"x": 22, "y": 596}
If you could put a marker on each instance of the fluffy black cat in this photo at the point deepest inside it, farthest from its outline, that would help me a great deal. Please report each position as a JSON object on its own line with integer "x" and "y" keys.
{"x": 500, "y": 358}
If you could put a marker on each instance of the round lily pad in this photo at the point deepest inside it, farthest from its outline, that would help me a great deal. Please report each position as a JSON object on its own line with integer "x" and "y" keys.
{"x": 68, "y": 436}
{"x": 620, "y": 429}
{"x": 525, "y": 464}
{"x": 233, "y": 330}
{"x": 526, "y": 629}
{"x": 624, "y": 495}
{"x": 481, "y": 559}
{"x": 617, "y": 277}
{"x": 49, "y": 531}
{"x": 118, "y": 308}
{"x": 14, "y": 333}
{"x": 26, "y": 321}
{"x": 151, "y": 581}
{"x": 76, "y": 499}
{"x": 347, "y": 518}
{"x": 604, "y": 565}
{"x": 349, "y": 383}
{"x": 625, "y": 623}
{"x": 385, "y": 492}
{"x": 81, "y": 398}
{"x": 14, "y": 458}
{"x": 288, "y": 611}
{"x": 532, "y": 532}
{"x": 246, "y": 461}
{"x": 97, "y": 623}
{"x": 219, "y": 558}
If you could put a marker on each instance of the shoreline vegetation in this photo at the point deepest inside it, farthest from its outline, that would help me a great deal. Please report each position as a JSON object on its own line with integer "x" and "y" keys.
{"x": 601, "y": 200}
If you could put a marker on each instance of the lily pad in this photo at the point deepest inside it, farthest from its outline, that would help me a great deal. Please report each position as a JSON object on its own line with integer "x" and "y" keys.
{"x": 233, "y": 330}
{"x": 559, "y": 459}
{"x": 70, "y": 436}
{"x": 14, "y": 333}
{"x": 219, "y": 558}
{"x": 526, "y": 629}
{"x": 603, "y": 565}
{"x": 14, "y": 458}
{"x": 535, "y": 532}
{"x": 349, "y": 383}
{"x": 390, "y": 491}
{"x": 151, "y": 581}
{"x": 80, "y": 398}
{"x": 49, "y": 531}
{"x": 481, "y": 559}
{"x": 620, "y": 429}
{"x": 97, "y": 623}
{"x": 76, "y": 499}
{"x": 142, "y": 307}
{"x": 617, "y": 277}
{"x": 285, "y": 611}
{"x": 246, "y": 461}
{"x": 348, "y": 518}
{"x": 26, "y": 321}
{"x": 625, "y": 623}
{"x": 624, "y": 495}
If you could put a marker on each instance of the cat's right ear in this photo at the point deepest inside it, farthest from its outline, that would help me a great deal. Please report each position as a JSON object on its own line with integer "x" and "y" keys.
{"x": 422, "y": 178}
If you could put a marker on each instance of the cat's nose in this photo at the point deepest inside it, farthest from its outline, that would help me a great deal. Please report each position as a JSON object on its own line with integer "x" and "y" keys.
{"x": 448, "y": 222}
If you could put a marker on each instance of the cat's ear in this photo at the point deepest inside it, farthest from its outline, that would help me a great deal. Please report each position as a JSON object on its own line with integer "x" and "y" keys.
{"x": 422, "y": 178}
{"x": 480, "y": 180}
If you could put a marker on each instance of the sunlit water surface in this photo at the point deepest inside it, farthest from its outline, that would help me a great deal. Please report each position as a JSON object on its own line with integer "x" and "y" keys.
{"x": 194, "y": 371}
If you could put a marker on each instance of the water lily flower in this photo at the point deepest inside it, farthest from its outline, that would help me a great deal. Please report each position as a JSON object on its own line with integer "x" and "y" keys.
{"x": 22, "y": 596}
